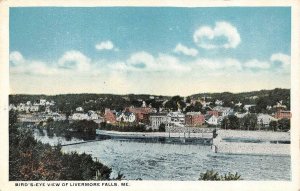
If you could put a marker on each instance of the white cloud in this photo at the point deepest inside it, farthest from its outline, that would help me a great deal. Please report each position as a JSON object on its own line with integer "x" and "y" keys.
{"x": 207, "y": 37}
{"x": 75, "y": 60}
{"x": 283, "y": 58}
{"x": 16, "y": 57}
{"x": 185, "y": 50}
{"x": 20, "y": 65}
{"x": 256, "y": 64}
{"x": 106, "y": 45}
{"x": 144, "y": 61}
{"x": 215, "y": 65}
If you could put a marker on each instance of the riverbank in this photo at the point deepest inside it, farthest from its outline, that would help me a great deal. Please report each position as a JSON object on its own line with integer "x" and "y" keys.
{"x": 252, "y": 142}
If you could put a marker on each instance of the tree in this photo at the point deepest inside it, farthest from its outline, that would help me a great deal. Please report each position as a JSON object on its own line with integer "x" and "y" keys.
{"x": 230, "y": 122}
{"x": 250, "y": 121}
{"x": 284, "y": 124}
{"x": 214, "y": 176}
{"x": 233, "y": 121}
{"x": 162, "y": 127}
{"x": 273, "y": 125}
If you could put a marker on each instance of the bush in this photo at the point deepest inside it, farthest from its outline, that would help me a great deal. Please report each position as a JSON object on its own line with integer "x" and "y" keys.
{"x": 162, "y": 128}
{"x": 214, "y": 176}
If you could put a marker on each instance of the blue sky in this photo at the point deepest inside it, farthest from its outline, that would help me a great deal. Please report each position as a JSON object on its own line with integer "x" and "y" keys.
{"x": 149, "y": 50}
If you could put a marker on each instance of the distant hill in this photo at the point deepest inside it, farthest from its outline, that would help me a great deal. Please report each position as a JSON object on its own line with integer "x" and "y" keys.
{"x": 69, "y": 102}
{"x": 262, "y": 98}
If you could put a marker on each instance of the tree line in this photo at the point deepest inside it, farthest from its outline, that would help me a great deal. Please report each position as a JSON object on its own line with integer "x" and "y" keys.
{"x": 249, "y": 122}
{"x": 67, "y": 103}
{"x": 33, "y": 160}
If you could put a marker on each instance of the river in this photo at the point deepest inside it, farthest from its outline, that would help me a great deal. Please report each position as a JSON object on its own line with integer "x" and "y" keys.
{"x": 157, "y": 160}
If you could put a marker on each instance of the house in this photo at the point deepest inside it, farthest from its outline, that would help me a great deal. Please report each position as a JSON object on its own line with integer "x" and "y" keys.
{"x": 79, "y": 109}
{"x": 109, "y": 116}
{"x": 223, "y": 111}
{"x": 239, "y": 104}
{"x": 176, "y": 117}
{"x": 240, "y": 115}
{"x": 80, "y": 116}
{"x": 156, "y": 119}
{"x": 280, "y": 114}
{"x": 194, "y": 119}
{"x": 92, "y": 115}
{"x": 247, "y": 107}
{"x": 43, "y": 102}
{"x": 141, "y": 113}
{"x": 12, "y": 107}
{"x": 265, "y": 119}
{"x": 125, "y": 117}
{"x": 58, "y": 117}
{"x": 211, "y": 119}
{"x": 34, "y": 108}
{"x": 212, "y": 112}
{"x": 219, "y": 102}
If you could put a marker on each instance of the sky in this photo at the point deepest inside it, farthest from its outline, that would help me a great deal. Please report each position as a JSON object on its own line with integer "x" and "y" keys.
{"x": 149, "y": 50}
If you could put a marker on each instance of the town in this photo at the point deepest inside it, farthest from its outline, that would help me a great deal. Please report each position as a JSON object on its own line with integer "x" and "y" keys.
{"x": 161, "y": 113}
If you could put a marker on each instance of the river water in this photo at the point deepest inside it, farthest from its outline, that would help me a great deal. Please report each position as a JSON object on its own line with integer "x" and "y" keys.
{"x": 156, "y": 160}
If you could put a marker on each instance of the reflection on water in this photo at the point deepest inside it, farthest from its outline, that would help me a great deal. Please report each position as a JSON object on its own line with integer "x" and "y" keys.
{"x": 154, "y": 160}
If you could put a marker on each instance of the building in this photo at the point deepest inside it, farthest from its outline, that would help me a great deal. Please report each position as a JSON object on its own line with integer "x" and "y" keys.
{"x": 79, "y": 109}
{"x": 240, "y": 115}
{"x": 223, "y": 111}
{"x": 110, "y": 116}
{"x": 194, "y": 119}
{"x": 176, "y": 117}
{"x": 283, "y": 114}
{"x": 213, "y": 112}
{"x": 247, "y": 107}
{"x": 141, "y": 113}
{"x": 127, "y": 117}
{"x": 91, "y": 115}
{"x": 156, "y": 119}
{"x": 219, "y": 102}
{"x": 80, "y": 116}
{"x": 265, "y": 119}
{"x": 211, "y": 119}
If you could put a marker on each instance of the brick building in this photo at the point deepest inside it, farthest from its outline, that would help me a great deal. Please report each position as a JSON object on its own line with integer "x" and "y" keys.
{"x": 110, "y": 116}
{"x": 280, "y": 114}
{"x": 213, "y": 112}
{"x": 194, "y": 119}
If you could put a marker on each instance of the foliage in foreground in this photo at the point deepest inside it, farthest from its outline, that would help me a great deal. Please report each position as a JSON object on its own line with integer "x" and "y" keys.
{"x": 33, "y": 160}
{"x": 214, "y": 176}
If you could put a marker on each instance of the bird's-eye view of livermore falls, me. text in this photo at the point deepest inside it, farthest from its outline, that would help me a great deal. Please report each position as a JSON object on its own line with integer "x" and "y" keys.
{"x": 150, "y": 93}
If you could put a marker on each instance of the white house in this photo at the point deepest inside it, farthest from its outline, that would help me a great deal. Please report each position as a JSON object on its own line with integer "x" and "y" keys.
{"x": 176, "y": 117}
{"x": 247, "y": 107}
{"x": 12, "y": 107}
{"x": 219, "y": 102}
{"x": 265, "y": 119}
{"x": 211, "y": 120}
{"x": 43, "y": 102}
{"x": 79, "y": 109}
{"x": 125, "y": 117}
{"x": 34, "y": 108}
{"x": 80, "y": 116}
{"x": 239, "y": 104}
{"x": 93, "y": 115}
{"x": 240, "y": 115}
{"x": 225, "y": 111}
{"x": 157, "y": 119}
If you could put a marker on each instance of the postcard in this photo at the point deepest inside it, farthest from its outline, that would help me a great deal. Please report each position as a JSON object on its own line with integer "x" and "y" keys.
{"x": 147, "y": 95}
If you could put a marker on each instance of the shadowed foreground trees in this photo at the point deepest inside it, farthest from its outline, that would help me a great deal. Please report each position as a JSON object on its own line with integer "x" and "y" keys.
{"x": 211, "y": 175}
{"x": 32, "y": 160}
